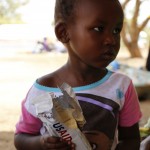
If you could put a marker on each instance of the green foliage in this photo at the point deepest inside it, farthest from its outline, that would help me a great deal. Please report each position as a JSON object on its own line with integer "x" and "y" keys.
{"x": 8, "y": 11}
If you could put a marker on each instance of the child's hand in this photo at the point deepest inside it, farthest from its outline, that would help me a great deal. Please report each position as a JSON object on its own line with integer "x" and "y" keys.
{"x": 98, "y": 140}
{"x": 48, "y": 143}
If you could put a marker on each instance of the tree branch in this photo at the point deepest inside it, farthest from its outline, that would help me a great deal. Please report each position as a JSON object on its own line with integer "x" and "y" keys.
{"x": 137, "y": 8}
{"x": 125, "y": 3}
{"x": 144, "y": 23}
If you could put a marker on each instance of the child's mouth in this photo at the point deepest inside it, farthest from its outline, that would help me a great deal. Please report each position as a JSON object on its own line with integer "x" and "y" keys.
{"x": 110, "y": 55}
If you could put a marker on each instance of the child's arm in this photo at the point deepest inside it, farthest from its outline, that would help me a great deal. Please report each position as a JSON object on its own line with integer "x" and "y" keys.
{"x": 38, "y": 142}
{"x": 129, "y": 138}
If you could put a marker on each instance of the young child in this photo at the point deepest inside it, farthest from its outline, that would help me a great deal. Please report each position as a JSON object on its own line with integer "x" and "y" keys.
{"x": 90, "y": 30}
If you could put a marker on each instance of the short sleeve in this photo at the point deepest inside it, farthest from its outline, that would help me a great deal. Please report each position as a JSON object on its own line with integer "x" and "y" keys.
{"x": 130, "y": 113}
{"x": 27, "y": 122}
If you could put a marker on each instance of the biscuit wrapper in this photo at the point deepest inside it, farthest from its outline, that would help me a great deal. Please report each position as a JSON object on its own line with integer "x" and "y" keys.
{"x": 62, "y": 116}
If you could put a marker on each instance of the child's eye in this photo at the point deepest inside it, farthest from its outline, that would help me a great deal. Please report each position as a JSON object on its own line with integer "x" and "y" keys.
{"x": 117, "y": 31}
{"x": 99, "y": 29}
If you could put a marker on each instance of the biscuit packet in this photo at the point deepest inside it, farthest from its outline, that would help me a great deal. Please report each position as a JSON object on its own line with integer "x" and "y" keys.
{"x": 62, "y": 116}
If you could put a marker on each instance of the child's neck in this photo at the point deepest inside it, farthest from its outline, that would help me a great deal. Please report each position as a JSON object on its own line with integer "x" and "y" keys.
{"x": 76, "y": 77}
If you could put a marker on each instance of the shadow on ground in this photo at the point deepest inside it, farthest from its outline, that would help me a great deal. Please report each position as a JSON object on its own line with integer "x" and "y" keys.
{"x": 6, "y": 141}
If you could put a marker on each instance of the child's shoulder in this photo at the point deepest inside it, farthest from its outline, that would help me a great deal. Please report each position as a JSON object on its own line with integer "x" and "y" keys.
{"x": 48, "y": 80}
{"x": 120, "y": 77}
{"x": 119, "y": 74}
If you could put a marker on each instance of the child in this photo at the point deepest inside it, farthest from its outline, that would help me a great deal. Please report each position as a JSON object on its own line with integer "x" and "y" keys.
{"x": 90, "y": 30}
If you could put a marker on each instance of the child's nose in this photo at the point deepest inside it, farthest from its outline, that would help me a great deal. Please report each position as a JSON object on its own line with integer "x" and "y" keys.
{"x": 109, "y": 39}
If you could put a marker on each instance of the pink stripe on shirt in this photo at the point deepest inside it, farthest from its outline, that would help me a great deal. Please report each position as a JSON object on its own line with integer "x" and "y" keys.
{"x": 130, "y": 113}
{"x": 28, "y": 123}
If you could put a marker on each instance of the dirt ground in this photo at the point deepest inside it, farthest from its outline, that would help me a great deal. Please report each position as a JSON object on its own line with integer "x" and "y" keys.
{"x": 18, "y": 72}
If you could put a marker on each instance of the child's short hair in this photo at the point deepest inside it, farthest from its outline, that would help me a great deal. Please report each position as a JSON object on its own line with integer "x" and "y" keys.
{"x": 64, "y": 9}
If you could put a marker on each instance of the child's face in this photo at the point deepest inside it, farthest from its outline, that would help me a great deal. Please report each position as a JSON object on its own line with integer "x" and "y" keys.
{"x": 95, "y": 35}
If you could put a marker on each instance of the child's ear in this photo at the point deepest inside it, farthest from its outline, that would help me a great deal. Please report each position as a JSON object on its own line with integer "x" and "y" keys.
{"x": 61, "y": 32}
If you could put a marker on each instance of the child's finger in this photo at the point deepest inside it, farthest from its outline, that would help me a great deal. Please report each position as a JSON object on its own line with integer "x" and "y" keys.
{"x": 61, "y": 146}
{"x": 46, "y": 140}
{"x": 52, "y": 139}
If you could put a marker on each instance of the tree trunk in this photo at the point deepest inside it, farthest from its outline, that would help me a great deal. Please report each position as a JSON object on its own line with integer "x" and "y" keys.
{"x": 131, "y": 30}
{"x": 134, "y": 50}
